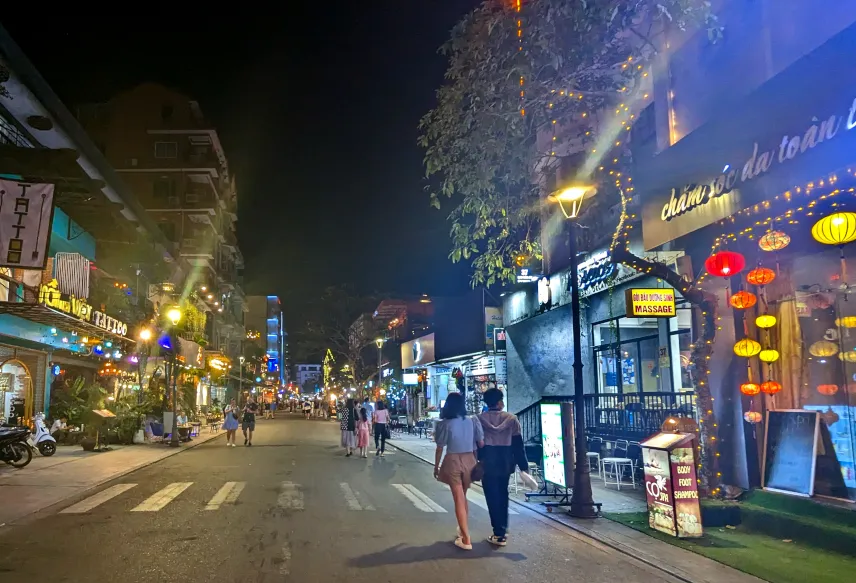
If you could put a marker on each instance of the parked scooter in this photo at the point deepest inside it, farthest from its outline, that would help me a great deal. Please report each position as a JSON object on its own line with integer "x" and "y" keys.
{"x": 13, "y": 446}
{"x": 42, "y": 438}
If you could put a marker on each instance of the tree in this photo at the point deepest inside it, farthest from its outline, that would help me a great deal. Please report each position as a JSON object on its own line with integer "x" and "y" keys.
{"x": 328, "y": 326}
{"x": 517, "y": 78}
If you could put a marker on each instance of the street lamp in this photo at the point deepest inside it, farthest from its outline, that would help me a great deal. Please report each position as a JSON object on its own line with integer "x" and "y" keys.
{"x": 145, "y": 336}
{"x": 570, "y": 199}
{"x": 379, "y": 342}
{"x": 241, "y": 377}
{"x": 174, "y": 316}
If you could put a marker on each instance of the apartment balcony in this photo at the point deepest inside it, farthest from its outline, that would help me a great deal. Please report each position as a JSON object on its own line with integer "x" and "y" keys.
{"x": 12, "y": 136}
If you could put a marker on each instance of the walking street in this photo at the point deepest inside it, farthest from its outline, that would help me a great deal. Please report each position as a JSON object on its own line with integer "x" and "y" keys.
{"x": 293, "y": 508}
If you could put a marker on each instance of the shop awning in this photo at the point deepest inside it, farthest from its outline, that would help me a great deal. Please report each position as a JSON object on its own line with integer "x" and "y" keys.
{"x": 50, "y": 317}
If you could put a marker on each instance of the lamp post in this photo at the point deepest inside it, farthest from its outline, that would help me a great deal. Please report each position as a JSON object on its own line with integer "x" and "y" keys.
{"x": 379, "y": 342}
{"x": 174, "y": 316}
{"x": 241, "y": 379}
{"x": 570, "y": 199}
{"x": 145, "y": 337}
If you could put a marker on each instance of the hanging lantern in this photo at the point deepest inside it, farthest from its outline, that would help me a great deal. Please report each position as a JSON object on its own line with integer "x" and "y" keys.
{"x": 725, "y": 263}
{"x": 774, "y": 241}
{"x": 769, "y": 355}
{"x": 743, "y": 300}
{"x": 752, "y": 417}
{"x": 849, "y": 356}
{"x": 771, "y": 387}
{"x": 747, "y": 348}
{"x": 835, "y": 229}
{"x": 827, "y": 390}
{"x": 750, "y": 389}
{"x": 846, "y": 322}
{"x": 761, "y": 276}
{"x": 823, "y": 349}
{"x": 765, "y": 321}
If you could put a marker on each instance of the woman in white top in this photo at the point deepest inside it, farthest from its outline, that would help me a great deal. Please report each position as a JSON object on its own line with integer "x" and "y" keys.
{"x": 230, "y": 422}
{"x": 381, "y": 427}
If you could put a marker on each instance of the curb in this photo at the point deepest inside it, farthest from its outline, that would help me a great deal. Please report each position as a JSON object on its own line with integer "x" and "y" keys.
{"x": 586, "y": 533}
{"x": 125, "y": 472}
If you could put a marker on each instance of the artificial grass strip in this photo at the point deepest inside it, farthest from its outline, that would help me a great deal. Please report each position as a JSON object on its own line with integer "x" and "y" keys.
{"x": 765, "y": 557}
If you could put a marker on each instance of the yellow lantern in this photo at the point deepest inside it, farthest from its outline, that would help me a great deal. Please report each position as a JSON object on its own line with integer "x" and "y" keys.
{"x": 747, "y": 348}
{"x": 849, "y": 356}
{"x": 765, "y": 321}
{"x": 752, "y": 417}
{"x": 846, "y": 322}
{"x": 769, "y": 355}
{"x": 774, "y": 241}
{"x": 835, "y": 229}
{"x": 823, "y": 348}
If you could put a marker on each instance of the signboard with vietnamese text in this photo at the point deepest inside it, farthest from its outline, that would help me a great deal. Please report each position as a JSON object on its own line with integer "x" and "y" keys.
{"x": 671, "y": 485}
{"x": 52, "y": 297}
{"x": 650, "y": 303}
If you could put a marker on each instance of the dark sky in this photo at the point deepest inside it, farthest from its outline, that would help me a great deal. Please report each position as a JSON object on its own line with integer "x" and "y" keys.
{"x": 317, "y": 106}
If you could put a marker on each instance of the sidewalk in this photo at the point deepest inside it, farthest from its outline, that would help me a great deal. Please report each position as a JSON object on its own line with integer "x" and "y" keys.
{"x": 72, "y": 471}
{"x": 678, "y": 562}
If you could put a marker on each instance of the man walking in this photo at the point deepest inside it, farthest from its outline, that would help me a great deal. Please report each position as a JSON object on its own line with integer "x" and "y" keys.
{"x": 503, "y": 449}
{"x": 369, "y": 410}
{"x": 248, "y": 423}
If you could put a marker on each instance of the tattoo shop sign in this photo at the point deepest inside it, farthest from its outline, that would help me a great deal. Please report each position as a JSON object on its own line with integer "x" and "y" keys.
{"x": 26, "y": 213}
{"x": 52, "y": 297}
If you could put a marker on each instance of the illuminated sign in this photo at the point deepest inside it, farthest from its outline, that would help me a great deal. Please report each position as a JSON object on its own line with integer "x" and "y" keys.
{"x": 218, "y": 363}
{"x": 671, "y": 486}
{"x": 544, "y": 292}
{"x": 526, "y": 275}
{"x": 50, "y": 296}
{"x": 650, "y": 303}
{"x": 553, "y": 444}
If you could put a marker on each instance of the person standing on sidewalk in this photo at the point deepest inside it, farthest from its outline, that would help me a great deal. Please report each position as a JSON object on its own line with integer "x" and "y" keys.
{"x": 503, "y": 449}
{"x": 248, "y": 423}
{"x": 381, "y": 428}
{"x": 348, "y": 425}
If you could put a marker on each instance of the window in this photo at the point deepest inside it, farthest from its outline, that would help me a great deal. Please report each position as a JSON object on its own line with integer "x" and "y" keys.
{"x": 168, "y": 230}
{"x": 162, "y": 189}
{"x": 166, "y": 149}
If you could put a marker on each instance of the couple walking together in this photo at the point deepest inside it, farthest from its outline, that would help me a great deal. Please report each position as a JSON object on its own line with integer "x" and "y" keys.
{"x": 486, "y": 447}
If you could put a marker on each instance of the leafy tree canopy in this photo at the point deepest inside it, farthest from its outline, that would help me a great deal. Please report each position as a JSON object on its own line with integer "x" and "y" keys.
{"x": 510, "y": 75}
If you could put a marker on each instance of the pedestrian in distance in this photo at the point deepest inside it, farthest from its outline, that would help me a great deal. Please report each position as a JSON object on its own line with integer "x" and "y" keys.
{"x": 503, "y": 449}
{"x": 461, "y": 437}
{"x": 230, "y": 422}
{"x": 381, "y": 428}
{"x": 307, "y": 409}
{"x": 369, "y": 409}
{"x": 363, "y": 425}
{"x": 273, "y": 410}
{"x": 248, "y": 423}
{"x": 348, "y": 425}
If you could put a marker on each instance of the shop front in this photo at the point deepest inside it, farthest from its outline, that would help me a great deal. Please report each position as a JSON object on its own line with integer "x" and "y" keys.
{"x": 761, "y": 200}
{"x": 483, "y": 372}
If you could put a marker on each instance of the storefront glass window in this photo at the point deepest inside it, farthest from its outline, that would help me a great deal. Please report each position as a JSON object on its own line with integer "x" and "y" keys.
{"x": 680, "y": 339}
{"x": 626, "y": 356}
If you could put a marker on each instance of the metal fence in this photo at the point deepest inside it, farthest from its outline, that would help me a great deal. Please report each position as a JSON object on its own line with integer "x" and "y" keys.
{"x": 631, "y": 416}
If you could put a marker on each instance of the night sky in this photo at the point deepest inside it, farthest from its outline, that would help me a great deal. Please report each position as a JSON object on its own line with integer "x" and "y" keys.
{"x": 317, "y": 109}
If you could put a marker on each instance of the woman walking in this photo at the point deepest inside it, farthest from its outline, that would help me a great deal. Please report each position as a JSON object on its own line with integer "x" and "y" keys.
{"x": 381, "y": 427}
{"x": 348, "y": 425}
{"x": 230, "y": 422}
{"x": 460, "y": 436}
{"x": 363, "y": 433}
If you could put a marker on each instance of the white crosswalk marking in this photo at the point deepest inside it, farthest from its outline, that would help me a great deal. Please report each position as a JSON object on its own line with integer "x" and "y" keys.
{"x": 160, "y": 499}
{"x": 480, "y": 501}
{"x": 97, "y": 499}
{"x": 418, "y": 499}
{"x": 228, "y": 494}
{"x": 351, "y": 498}
{"x": 290, "y": 496}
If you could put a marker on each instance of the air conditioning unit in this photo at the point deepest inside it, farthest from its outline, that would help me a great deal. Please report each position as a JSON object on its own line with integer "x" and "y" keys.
{"x": 174, "y": 201}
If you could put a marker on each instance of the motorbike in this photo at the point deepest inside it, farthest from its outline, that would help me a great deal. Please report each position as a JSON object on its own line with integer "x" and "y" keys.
{"x": 13, "y": 446}
{"x": 42, "y": 439}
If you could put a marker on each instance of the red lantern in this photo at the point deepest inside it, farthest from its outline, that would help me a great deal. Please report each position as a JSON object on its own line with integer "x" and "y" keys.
{"x": 725, "y": 264}
{"x": 743, "y": 300}
{"x": 750, "y": 389}
{"x": 760, "y": 276}
{"x": 771, "y": 387}
{"x": 827, "y": 390}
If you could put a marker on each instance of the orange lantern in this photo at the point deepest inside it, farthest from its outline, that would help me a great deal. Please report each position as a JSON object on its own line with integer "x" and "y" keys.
{"x": 771, "y": 387}
{"x": 750, "y": 389}
{"x": 752, "y": 417}
{"x": 827, "y": 389}
{"x": 760, "y": 276}
{"x": 774, "y": 241}
{"x": 743, "y": 300}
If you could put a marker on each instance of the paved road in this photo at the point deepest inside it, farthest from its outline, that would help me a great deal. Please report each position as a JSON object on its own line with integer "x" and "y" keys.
{"x": 290, "y": 508}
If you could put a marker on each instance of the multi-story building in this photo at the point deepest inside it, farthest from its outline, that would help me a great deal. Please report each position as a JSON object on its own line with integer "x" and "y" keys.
{"x": 308, "y": 375}
{"x": 264, "y": 316}
{"x": 172, "y": 158}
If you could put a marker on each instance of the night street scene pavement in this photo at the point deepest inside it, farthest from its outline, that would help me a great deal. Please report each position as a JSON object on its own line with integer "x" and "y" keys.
{"x": 291, "y": 508}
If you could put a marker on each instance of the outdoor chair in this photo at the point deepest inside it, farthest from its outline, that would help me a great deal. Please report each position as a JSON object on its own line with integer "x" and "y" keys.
{"x": 615, "y": 465}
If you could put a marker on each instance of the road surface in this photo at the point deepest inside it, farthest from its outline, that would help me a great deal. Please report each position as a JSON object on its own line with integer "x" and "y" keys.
{"x": 291, "y": 508}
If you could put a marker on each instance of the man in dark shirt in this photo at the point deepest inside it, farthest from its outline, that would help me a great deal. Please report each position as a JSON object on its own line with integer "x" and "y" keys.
{"x": 248, "y": 423}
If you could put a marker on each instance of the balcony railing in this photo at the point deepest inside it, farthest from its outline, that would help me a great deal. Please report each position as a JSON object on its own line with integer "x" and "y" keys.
{"x": 631, "y": 416}
{"x": 12, "y": 136}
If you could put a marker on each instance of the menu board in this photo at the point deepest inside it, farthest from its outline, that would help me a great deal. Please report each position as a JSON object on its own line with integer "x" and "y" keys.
{"x": 553, "y": 443}
{"x": 790, "y": 451}
{"x": 685, "y": 492}
{"x": 658, "y": 490}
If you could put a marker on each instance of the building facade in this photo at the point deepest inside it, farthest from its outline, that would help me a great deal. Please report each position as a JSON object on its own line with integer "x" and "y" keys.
{"x": 308, "y": 377}
{"x": 266, "y": 325}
